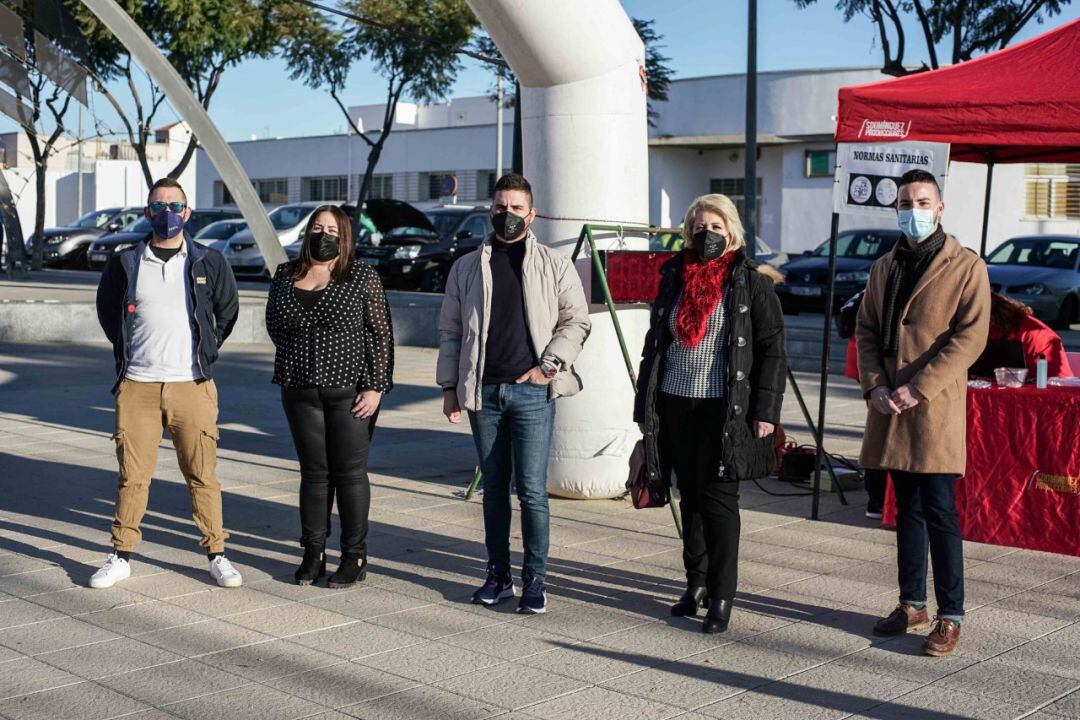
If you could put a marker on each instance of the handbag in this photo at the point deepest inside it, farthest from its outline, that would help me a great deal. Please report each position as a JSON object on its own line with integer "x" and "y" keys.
{"x": 643, "y": 493}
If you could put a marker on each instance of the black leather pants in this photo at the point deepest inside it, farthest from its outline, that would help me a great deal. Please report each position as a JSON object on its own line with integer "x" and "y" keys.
{"x": 332, "y": 447}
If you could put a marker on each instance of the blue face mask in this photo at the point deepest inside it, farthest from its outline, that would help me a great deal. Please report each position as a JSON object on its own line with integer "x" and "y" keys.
{"x": 917, "y": 224}
{"x": 167, "y": 224}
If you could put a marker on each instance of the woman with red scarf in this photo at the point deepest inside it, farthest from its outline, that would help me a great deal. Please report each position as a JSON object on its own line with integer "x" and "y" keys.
{"x": 710, "y": 388}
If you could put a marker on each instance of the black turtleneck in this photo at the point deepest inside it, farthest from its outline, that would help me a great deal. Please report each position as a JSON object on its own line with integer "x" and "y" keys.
{"x": 164, "y": 254}
{"x": 508, "y": 353}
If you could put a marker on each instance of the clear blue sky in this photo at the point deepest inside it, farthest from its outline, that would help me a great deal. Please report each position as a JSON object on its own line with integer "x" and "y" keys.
{"x": 701, "y": 37}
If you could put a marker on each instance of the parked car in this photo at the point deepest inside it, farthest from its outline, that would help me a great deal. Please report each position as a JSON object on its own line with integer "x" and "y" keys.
{"x": 807, "y": 277}
{"x": 1041, "y": 271}
{"x": 67, "y": 246}
{"x": 362, "y": 229}
{"x": 103, "y": 249}
{"x": 416, "y": 249}
{"x": 673, "y": 241}
{"x": 216, "y": 235}
{"x": 289, "y": 221}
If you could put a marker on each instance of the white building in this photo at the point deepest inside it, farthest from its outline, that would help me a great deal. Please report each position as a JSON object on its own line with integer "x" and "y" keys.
{"x": 111, "y": 175}
{"x": 695, "y": 147}
{"x": 427, "y": 143}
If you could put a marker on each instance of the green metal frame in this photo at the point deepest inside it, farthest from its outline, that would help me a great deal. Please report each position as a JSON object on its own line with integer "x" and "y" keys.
{"x": 586, "y": 235}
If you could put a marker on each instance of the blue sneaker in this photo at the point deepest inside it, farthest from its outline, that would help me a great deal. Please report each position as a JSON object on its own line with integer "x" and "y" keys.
{"x": 533, "y": 598}
{"x": 497, "y": 587}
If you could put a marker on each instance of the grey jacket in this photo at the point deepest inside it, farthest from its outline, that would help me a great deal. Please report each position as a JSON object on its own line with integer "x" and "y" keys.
{"x": 555, "y": 311}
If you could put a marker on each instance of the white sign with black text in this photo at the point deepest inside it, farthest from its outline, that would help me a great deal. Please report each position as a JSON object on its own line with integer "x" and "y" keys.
{"x": 867, "y": 173}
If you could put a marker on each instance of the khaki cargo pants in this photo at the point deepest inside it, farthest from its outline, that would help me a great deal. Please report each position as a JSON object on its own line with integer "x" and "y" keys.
{"x": 189, "y": 411}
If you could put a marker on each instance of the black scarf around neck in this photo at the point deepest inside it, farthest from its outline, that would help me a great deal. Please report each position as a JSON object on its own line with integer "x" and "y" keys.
{"x": 911, "y": 260}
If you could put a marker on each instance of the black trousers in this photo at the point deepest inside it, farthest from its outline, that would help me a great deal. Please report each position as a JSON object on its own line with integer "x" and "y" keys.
{"x": 690, "y": 431}
{"x": 332, "y": 447}
{"x": 875, "y": 486}
{"x": 926, "y": 511}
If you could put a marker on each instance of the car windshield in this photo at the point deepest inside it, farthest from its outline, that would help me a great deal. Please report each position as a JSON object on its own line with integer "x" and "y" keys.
{"x": 1038, "y": 252}
{"x": 143, "y": 225}
{"x": 289, "y": 216}
{"x": 220, "y": 230}
{"x": 863, "y": 245}
{"x": 96, "y": 219}
{"x": 415, "y": 233}
{"x": 445, "y": 222}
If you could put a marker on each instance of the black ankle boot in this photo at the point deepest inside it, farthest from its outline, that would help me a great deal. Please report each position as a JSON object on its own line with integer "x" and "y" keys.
{"x": 353, "y": 568}
{"x": 691, "y": 600}
{"x": 718, "y": 616}
{"x": 312, "y": 567}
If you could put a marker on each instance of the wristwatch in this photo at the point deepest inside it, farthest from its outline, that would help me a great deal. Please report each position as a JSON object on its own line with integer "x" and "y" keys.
{"x": 550, "y": 366}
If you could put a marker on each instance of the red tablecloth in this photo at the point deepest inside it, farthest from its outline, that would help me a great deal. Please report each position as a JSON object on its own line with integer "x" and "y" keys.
{"x": 1023, "y": 469}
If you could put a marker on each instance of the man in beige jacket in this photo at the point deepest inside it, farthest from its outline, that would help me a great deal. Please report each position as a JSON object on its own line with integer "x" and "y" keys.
{"x": 512, "y": 323}
{"x": 922, "y": 323}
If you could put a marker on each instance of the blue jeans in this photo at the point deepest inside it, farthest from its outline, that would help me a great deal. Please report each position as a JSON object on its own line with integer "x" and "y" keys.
{"x": 513, "y": 431}
{"x": 926, "y": 511}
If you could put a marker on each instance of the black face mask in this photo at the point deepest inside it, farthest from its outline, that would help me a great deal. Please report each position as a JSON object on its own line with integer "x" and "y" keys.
{"x": 508, "y": 226}
{"x": 324, "y": 247}
{"x": 709, "y": 245}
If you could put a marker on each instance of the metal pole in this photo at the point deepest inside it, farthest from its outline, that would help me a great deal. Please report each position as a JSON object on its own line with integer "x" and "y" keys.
{"x": 986, "y": 205}
{"x": 750, "y": 175}
{"x": 79, "y": 148}
{"x": 498, "y": 127}
{"x": 348, "y": 165}
{"x": 474, "y": 484}
{"x": 813, "y": 431}
{"x": 191, "y": 110}
{"x": 823, "y": 387}
{"x": 517, "y": 159}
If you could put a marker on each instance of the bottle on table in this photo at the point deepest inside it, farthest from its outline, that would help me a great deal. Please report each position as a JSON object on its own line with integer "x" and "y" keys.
{"x": 1040, "y": 372}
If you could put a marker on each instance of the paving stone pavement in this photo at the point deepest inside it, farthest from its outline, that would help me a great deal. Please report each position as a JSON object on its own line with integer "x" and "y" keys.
{"x": 407, "y": 644}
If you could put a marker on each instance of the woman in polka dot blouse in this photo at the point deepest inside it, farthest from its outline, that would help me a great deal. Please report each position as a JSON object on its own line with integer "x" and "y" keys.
{"x": 330, "y": 322}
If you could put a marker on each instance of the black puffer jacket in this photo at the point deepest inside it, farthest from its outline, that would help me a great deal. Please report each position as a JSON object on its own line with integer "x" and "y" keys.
{"x": 757, "y": 369}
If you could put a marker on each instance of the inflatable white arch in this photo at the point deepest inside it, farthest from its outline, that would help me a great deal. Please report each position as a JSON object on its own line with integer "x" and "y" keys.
{"x": 585, "y": 151}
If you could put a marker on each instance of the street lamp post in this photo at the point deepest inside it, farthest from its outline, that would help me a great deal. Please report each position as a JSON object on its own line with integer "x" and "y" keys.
{"x": 750, "y": 219}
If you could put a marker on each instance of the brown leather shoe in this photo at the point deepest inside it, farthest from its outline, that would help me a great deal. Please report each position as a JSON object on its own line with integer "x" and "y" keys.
{"x": 942, "y": 640}
{"x": 902, "y": 620}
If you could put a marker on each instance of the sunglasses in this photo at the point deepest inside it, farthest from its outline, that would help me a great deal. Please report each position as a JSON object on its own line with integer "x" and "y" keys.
{"x": 160, "y": 205}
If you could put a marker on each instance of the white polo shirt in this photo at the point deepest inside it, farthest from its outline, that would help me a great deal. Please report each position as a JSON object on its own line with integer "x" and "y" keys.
{"x": 163, "y": 339}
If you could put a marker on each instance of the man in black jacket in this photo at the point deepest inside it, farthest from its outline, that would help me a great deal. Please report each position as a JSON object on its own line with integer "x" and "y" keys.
{"x": 166, "y": 306}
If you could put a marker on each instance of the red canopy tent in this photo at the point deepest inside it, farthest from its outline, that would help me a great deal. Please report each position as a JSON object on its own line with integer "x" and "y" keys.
{"x": 1020, "y": 104}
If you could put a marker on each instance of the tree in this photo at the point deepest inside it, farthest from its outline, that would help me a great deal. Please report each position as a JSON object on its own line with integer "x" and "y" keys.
{"x": 972, "y": 26}
{"x": 43, "y": 96}
{"x": 201, "y": 38}
{"x": 657, "y": 72}
{"x": 413, "y": 44}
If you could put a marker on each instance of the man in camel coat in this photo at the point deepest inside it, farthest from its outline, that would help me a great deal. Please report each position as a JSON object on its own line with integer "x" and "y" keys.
{"x": 923, "y": 322}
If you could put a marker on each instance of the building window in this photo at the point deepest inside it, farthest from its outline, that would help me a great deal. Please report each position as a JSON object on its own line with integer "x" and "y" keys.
{"x": 272, "y": 192}
{"x": 485, "y": 184}
{"x": 734, "y": 188}
{"x": 432, "y": 185}
{"x": 1052, "y": 191}
{"x": 820, "y": 163}
{"x": 222, "y": 196}
{"x": 333, "y": 188}
{"x": 382, "y": 187}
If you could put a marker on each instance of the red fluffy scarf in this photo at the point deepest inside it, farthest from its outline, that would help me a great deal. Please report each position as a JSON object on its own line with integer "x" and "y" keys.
{"x": 703, "y": 288}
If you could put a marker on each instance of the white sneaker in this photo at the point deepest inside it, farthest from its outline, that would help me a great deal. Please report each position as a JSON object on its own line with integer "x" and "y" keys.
{"x": 224, "y": 573}
{"x": 114, "y": 570}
